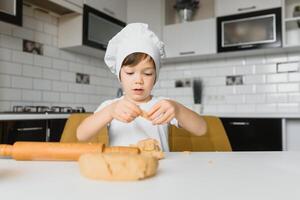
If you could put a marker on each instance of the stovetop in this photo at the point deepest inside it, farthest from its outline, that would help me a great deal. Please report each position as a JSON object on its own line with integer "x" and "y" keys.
{"x": 44, "y": 110}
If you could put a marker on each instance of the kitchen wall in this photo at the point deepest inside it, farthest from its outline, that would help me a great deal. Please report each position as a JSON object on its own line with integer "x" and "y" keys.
{"x": 29, "y": 79}
{"x": 263, "y": 90}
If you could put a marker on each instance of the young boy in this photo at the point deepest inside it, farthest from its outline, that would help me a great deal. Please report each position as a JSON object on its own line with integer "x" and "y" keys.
{"x": 134, "y": 56}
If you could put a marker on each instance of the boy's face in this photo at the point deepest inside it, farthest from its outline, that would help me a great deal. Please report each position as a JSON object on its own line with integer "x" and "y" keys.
{"x": 137, "y": 81}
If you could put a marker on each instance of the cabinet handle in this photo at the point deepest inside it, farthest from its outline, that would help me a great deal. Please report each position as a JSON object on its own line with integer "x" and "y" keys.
{"x": 48, "y": 134}
{"x": 246, "y": 8}
{"x": 187, "y": 52}
{"x": 109, "y": 11}
{"x": 30, "y": 129}
{"x": 240, "y": 123}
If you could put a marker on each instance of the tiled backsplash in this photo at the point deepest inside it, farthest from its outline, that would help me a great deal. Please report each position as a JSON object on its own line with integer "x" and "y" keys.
{"x": 50, "y": 79}
{"x": 264, "y": 90}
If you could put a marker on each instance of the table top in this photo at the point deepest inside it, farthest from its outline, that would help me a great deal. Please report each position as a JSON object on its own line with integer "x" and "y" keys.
{"x": 201, "y": 175}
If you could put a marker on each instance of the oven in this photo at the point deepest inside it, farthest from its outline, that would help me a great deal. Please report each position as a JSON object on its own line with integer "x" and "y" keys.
{"x": 253, "y": 30}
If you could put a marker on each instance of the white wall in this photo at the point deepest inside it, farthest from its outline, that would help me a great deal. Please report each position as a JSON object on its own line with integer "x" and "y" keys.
{"x": 28, "y": 79}
{"x": 264, "y": 90}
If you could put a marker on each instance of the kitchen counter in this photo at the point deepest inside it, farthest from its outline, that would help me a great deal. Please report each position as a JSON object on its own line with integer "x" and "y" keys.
{"x": 214, "y": 175}
{"x": 256, "y": 115}
{"x": 13, "y": 116}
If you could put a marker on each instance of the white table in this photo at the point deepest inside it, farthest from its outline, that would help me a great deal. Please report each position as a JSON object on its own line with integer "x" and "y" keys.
{"x": 234, "y": 176}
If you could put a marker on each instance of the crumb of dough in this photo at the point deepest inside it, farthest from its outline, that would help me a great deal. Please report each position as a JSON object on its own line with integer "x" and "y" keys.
{"x": 117, "y": 166}
{"x": 150, "y": 147}
{"x": 210, "y": 162}
{"x": 187, "y": 152}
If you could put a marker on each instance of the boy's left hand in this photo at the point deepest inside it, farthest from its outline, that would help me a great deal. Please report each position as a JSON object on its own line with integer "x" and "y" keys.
{"x": 163, "y": 112}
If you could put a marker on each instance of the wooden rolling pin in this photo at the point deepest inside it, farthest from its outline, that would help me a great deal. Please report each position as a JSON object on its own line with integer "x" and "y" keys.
{"x": 56, "y": 150}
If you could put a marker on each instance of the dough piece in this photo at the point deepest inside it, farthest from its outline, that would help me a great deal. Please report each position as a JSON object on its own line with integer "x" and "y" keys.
{"x": 150, "y": 147}
{"x": 145, "y": 115}
{"x": 117, "y": 166}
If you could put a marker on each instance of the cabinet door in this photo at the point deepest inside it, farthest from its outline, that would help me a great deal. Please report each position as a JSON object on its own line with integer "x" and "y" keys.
{"x": 191, "y": 38}
{"x": 56, "y": 127}
{"x": 229, "y": 7}
{"x": 249, "y": 134}
{"x": 114, "y": 8}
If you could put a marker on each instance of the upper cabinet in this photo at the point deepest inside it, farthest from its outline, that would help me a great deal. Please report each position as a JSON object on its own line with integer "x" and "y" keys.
{"x": 11, "y": 11}
{"x": 229, "y": 7}
{"x": 190, "y": 38}
{"x": 61, "y": 7}
{"x": 291, "y": 23}
{"x": 113, "y": 8}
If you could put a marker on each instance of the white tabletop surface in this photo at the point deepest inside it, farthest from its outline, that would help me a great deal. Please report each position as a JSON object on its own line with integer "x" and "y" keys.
{"x": 234, "y": 176}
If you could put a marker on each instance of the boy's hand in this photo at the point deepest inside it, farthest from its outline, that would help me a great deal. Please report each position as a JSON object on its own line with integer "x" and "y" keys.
{"x": 124, "y": 110}
{"x": 163, "y": 112}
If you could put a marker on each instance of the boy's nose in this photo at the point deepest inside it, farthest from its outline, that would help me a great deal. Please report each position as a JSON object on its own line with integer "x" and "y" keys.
{"x": 139, "y": 79}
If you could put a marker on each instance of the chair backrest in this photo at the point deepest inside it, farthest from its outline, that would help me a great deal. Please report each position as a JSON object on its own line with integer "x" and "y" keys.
{"x": 215, "y": 138}
{"x": 74, "y": 120}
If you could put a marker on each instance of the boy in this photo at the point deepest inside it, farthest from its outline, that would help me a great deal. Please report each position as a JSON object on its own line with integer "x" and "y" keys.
{"x": 134, "y": 55}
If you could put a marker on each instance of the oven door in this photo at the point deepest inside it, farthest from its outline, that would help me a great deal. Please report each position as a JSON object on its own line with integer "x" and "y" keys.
{"x": 261, "y": 29}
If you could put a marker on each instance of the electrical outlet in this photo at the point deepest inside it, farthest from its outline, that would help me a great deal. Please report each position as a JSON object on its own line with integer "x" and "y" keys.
{"x": 234, "y": 80}
{"x": 82, "y": 78}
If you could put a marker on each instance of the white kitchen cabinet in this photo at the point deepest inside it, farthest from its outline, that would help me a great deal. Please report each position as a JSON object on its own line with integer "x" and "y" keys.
{"x": 229, "y": 7}
{"x": 114, "y": 8}
{"x": 190, "y": 38}
{"x": 60, "y": 7}
{"x": 149, "y": 12}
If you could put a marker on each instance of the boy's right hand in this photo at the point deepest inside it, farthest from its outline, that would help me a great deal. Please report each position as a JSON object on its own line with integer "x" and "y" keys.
{"x": 125, "y": 110}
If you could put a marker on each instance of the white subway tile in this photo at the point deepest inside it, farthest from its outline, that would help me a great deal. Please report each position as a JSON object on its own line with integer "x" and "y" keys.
{"x": 265, "y": 69}
{"x": 60, "y": 64}
{"x": 21, "y": 82}
{"x": 276, "y": 58}
{"x": 5, "y": 105}
{"x": 95, "y": 99}
{"x": 6, "y": 28}
{"x": 32, "y": 71}
{"x": 226, "y": 108}
{"x": 51, "y": 74}
{"x": 31, "y": 95}
{"x": 80, "y": 98}
{"x": 59, "y": 86}
{"x": 266, "y": 108}
{"x": 42, "y": 61}
{"x": 294, "y": 97}
{"x": 54, "y": 20}
{"x": 225, "y": 90}
{"x": 51, "y": 96}
{"x": 167, "y": 83}
{"x": 67, "y": 76}
{"x": 55, "y": 41}
{"x": 51, "y": 51}
{"x": 87, "y": 69}
{"x": 5, "y": 54}
{"x": 288, "y": 87}
{"x": 245, "y": 108}
{"x": 42, "y": 16}
{"x": 175, "y": 74}
{"x": 22, "y": 57}
{"x": 210, "y": 90}
{"x": 235, "y": 61}
{"x": 175, "y": 91}
{"x": 11, "y": 42}
{"x": 42, "y": 38}
{"x": 210, "y": 72}
{"x": 234, "y": 99}
{"x": 88, "y": 89}
{"x": 67, "y": 97}
{"x": 23, "y": 33}
{"x": 30, "y": 22}
{"x": 292, "y": 56}
{"x": 277, "y": 98}
{"x": 5, "y": 80}
{"x": 254, "y": 79}
{"x": 159, "y": 92}
{"x": 41, "y": 84}
{"x": 244, "y": 89}
{"x": 288, "y": 107}
{"x": 270, "y": 88}
{"x": 208, "y": 109}
{"x": 244, "y": 70}
{"x": 277, "y": 78}
{"x": 256, "y": 98}
{"x": 212, "y": 81}
{"x": 10, "y": 68}
{"x": 65, "y": 55}
{"x": 225, "y": 71}
{"x": 10, "y": 94}
{"x": 294, "y": 77}
{"x": 50, "y": 29}
{"x": 249, "y": 60}
{"x": 76, "y": 88}
{"x": 75, "y": 67}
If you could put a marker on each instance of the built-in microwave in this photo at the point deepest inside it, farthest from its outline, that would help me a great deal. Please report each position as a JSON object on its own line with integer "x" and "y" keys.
{"x": 253, "y": 30}
{"x": 99, "y": 28}
{"x": 11, "y": 11}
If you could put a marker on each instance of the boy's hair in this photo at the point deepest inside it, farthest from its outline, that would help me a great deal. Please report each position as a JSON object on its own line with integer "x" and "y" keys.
{"x": 135, "y": 58}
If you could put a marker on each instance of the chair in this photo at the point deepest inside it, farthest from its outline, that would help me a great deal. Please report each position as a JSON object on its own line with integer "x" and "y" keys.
{"x": 74, "y": 120}
{"x": 215, "y": 138}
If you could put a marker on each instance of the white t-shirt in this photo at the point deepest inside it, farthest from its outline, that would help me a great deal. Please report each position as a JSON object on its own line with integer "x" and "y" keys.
{"x": 124, "y": 134}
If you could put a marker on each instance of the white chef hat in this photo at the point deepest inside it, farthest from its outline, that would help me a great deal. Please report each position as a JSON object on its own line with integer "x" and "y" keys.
{"x": 135, "y": 37}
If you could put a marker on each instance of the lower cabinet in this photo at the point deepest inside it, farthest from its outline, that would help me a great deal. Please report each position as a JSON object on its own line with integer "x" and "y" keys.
{"x": 31, "y": 130}
{"x": 254, "y": 134}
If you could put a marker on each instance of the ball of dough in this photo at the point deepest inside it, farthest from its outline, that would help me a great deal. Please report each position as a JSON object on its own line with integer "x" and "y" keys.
{"x": 117, "y": 166}
{"x": 150, "y": 147}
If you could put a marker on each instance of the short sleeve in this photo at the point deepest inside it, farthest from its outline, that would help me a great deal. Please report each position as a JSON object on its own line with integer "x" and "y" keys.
{"x": 104, "y": 104}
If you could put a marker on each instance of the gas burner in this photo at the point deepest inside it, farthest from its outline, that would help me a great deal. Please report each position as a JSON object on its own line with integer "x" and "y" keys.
{"x": 47, "y": 109}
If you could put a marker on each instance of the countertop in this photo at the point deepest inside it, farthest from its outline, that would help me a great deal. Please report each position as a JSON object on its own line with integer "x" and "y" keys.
{"x": 12, "y": 116}
{"x": 214, "y": 175}
{"x": 255, "y": 115}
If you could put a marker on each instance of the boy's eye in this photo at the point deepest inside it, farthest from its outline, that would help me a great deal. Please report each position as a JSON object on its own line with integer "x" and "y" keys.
{"x": 148, "y": 74}
{"x": 129, "y": 73}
